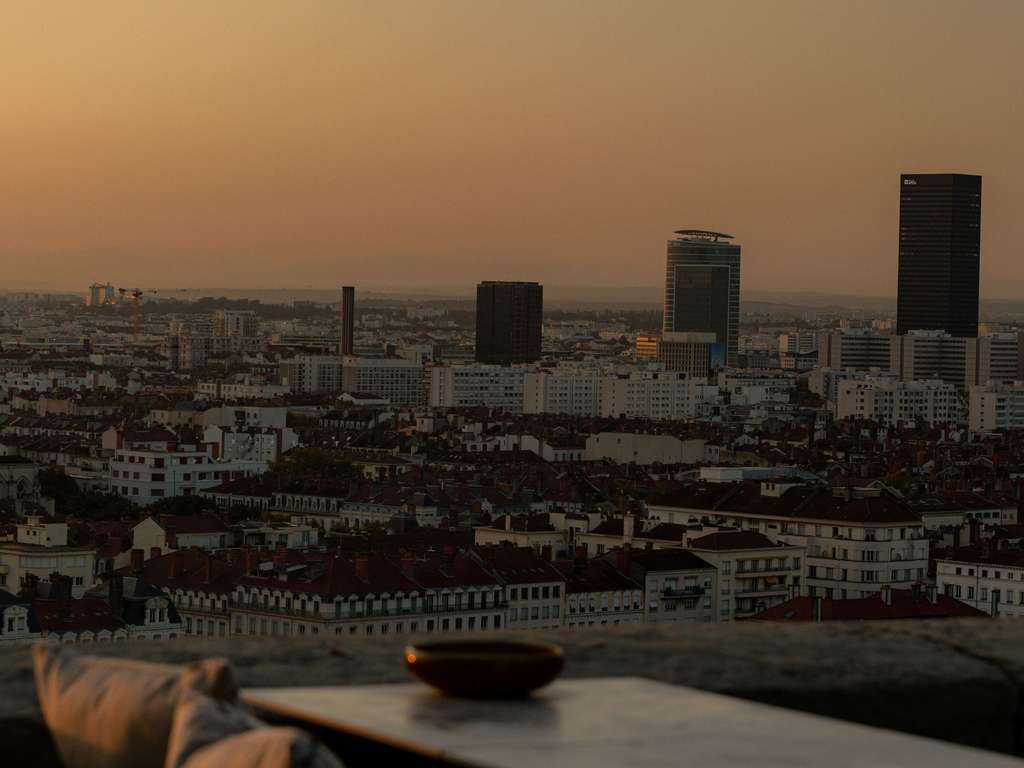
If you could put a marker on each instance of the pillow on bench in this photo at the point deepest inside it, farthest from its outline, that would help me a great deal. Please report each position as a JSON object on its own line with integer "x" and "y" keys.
{"x": 115, "y": 713}
{"x": 217, "y": 734}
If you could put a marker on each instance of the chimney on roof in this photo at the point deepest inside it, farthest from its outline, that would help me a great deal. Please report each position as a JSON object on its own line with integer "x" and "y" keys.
{"x": 956, "y": 536}
{"x": 115, "y": 594}
{"x": 581, "y": 552}
{"x": 207, "y": 568}
{"x": 173, "y": 565}
{"x": 816, "y": 605}
{"x": 508, "y": 522}
{"x": 547, "y": 552}
{"x": 627, "y": 529}
{"x": 933, "y": 594}
{"x": 623, "y": 558}
{"x": 363, "y": 568}
{"x": 154, "y": 552}
{"x": 915, "y": 591}
{"x": 973, "y": 526}
{"x": 887, "y": 594}
{"x": 138, "y": 558}
{"x": 248, "y": 560}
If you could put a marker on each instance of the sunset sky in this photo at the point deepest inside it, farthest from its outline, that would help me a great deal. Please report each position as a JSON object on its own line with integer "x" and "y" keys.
{"x": 252, "y": 143}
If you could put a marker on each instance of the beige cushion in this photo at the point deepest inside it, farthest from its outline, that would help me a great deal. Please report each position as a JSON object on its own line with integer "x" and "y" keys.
{"x": 114, "y": 713}
{"x": 200, "y": 721}
{"x": 265, "y": 748}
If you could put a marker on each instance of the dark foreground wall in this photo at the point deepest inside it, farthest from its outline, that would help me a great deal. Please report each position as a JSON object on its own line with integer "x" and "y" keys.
{"x": 954, "y": 680}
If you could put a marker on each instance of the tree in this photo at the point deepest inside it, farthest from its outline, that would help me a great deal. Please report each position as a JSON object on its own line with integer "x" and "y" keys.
{"x": 316, "y": 462}
{"x": 182, "y": 505}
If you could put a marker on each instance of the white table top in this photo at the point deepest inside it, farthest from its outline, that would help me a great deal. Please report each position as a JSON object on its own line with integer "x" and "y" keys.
{"x": 612, "y": 722}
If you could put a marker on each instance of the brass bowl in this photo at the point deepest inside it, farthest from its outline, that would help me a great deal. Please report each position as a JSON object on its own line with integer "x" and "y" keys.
{"x": 485, "y": 668}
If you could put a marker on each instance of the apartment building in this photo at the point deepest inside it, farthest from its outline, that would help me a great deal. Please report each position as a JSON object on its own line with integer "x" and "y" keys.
{"x": 561, "y": 389}
{"x": 679, "y": 586}
{"x": 891, "y": 402}
{"x": 650, "y": 395}
{"x": 147, "y": 471}
{"x": 39, "y": 550}
{"x": 398, "y": 380}
{"x": 984, "y": 577}
{"x": 856, "y": 539}
{"x": 754, "y": 572}
{"x": 498, "y": 387}
{"x": 996, "y": 406}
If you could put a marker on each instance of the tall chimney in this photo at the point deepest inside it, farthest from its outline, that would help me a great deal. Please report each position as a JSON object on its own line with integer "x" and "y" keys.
{"x": 348, "y": 319}
{"x": 154, "y": 552}
{"x": 627, "y": 529}
{"x": 362, "y": 568}
{"x": 508, "y": 521}
{"x": 138, "y": 558}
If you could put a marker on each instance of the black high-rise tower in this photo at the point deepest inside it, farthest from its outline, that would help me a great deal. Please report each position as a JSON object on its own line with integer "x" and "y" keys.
{"x": 940, "y": 253}
{"x": 508, "y": 322}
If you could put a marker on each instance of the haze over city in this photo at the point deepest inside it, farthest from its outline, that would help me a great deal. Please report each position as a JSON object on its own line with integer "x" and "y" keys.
{"x": 260, "y": 144}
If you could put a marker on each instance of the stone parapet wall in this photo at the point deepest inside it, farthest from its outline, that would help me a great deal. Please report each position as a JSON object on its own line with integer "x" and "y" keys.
{"x": 954, "y": 680}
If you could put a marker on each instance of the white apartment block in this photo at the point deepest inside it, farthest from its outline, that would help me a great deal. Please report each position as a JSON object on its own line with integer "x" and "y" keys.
{"x": 311, "y": 374}
{"x": 148, "y": 474}
{"x": 892, "y": 402}
{"x": 992, "y": 582}
{"x": 650, "y": 395}
{"x": 398, "y": 380}
{"x": 563, "y": 390}
{"x": 996, "y": 406}
{"x": 499, "y": 387}
{"x": 40, "y": 548}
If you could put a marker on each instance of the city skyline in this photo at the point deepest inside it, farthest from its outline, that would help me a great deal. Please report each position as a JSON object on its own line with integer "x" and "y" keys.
{"x": 330, "y": 158}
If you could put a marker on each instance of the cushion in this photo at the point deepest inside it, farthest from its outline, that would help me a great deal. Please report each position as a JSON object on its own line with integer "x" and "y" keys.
{"x": 200, "y": 721}
{"x": 265, "y": 748}
{"x": 115, "y": 713}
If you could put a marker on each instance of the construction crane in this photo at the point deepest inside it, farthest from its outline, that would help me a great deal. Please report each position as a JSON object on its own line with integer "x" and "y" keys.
{"x": 134, "y": 295}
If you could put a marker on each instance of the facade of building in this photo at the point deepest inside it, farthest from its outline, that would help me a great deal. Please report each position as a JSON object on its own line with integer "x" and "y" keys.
{"x": 509, "y": 319}
{"x": 702, "y": 288}
{"x": 988, "y": 580}
{"x": 892, "y": 402}
{"x": 563, "y": 390}
{"x": 754, "y": 572}
{"x": 40, "y": 549}
{"x": 499, "y": 387}
{"x": 858, "y": 349}
{"x": 856, "y": 539}
{"x": 691, "y": 353}
{"x": 997, "y": 406}
{"x": 650, "y": 395}
{"x": 398, "y": 380}
{"x": 939, "y": 254}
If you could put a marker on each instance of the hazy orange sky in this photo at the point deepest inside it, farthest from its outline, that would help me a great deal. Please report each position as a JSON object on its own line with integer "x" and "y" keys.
{"x": 253, "y": 143}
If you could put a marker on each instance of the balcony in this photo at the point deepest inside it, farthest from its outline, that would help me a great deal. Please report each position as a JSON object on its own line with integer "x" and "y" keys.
{"x": 747, "y": 573}
{"x": 677, "y": 594}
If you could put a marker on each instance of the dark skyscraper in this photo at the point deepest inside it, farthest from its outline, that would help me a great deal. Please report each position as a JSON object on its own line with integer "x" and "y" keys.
{"x": 508, "y": 322}
{"x": 702, "y": 288}
{"x": 348, "y": 320}
{"x": 940, "y": 253}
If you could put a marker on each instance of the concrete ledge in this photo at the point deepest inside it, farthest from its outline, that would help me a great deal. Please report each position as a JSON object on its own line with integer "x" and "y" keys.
{"x": 959, "y": 681}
